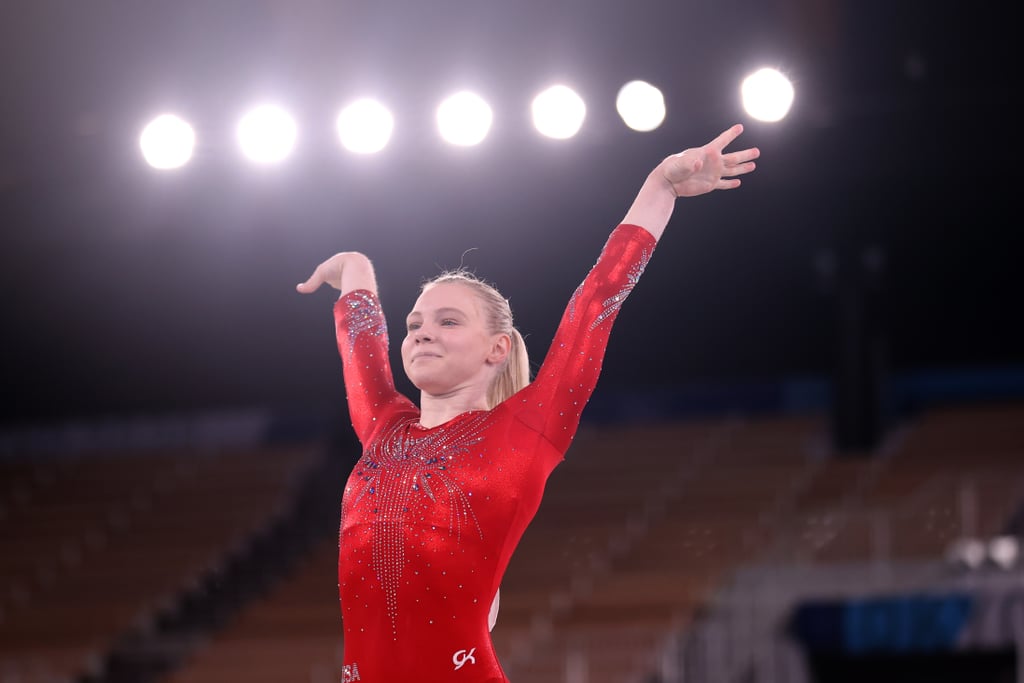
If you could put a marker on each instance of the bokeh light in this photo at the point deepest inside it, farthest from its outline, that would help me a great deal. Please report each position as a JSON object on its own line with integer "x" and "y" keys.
{"x": 167, "y": 142}
{"x": 558, "y": 112}
{"x": 767, "y": 95}
{"x": 365, "y": 126}
{"x": 641, "y": 106}
{"x": 464, "y": 119}
{"x": 267, "y": 134}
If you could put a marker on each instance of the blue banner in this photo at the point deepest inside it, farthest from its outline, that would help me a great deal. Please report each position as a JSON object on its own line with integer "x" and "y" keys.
{"x": 902, "y": 624}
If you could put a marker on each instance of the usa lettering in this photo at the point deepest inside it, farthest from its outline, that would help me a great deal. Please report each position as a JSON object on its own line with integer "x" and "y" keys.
{"x": 350, "y": 673}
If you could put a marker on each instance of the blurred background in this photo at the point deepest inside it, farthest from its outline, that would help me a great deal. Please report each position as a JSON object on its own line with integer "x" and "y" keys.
{"x": 823, "y": 371}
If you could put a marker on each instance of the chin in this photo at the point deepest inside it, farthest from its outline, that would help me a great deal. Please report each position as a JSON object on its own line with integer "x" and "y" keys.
{"x": 423, "y": 383}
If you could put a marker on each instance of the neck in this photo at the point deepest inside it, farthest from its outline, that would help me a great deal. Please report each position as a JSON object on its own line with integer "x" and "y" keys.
{"x": 436, "y": 410}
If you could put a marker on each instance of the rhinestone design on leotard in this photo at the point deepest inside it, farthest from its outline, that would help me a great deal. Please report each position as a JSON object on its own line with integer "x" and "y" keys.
{"x": 364, "y": 316}
{"x": 400, "y": 474}
{"x": 613, "y": 303}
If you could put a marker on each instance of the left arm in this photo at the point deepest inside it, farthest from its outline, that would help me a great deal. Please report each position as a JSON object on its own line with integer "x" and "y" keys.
{"x": 690, "y": 173}
{"x": 570, "y": 370}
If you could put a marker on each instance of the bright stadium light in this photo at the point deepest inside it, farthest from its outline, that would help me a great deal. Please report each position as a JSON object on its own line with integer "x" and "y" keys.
{"x": 464, "y": 119}
{"x": 641, "y": 106}
{"x": 558, "y": 112}
{"x": 267, "y": 134}
{"x": 767, "y": 95}
{"x": 167, "y": 142}
{"x": 365, "y": 126}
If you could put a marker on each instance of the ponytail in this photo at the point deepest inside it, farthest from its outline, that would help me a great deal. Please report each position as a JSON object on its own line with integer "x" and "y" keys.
{"x": 514, "y": 375}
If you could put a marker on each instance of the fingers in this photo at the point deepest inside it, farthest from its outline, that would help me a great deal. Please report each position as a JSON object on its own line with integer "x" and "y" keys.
{"x": 735, "y": 164}
{"x": 739, "y": 169}
{"x": 726, "y": 137}
{"x": 307, "y": 287}
{"x": 740, "y": 163}
{"x": 313, "y": 283}
{"x": 736, "y": 158}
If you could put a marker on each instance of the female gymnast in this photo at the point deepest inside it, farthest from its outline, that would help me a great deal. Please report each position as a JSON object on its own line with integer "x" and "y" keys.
{"x": 443, "y": 492}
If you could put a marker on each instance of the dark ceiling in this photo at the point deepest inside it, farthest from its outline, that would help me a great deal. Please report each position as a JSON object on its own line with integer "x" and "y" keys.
{"x": 129, "y": 291}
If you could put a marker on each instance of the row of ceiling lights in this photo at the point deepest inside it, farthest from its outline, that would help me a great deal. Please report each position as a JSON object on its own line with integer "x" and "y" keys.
{"x": 267, "y": 134}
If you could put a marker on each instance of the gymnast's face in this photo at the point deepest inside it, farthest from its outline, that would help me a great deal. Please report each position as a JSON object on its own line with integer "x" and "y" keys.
{"x": 448, "y": 348}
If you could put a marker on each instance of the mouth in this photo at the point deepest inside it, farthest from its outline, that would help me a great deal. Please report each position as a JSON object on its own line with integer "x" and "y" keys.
{"x": 420, "y": 356}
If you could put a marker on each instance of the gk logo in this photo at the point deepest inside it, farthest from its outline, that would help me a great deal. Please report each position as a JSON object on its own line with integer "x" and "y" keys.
{"x": 460, "y": 658}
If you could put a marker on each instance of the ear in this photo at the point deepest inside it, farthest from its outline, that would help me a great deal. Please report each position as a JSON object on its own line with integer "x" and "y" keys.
{"x": 499, "y": 349}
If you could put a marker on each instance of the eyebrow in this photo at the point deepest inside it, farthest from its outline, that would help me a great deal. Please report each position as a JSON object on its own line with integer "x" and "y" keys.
{"x": 446, "y": 310}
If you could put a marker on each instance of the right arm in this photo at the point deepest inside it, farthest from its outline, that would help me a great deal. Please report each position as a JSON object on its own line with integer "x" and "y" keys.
{"x": 346, "y": 272}
{"x": 362, "y": 341}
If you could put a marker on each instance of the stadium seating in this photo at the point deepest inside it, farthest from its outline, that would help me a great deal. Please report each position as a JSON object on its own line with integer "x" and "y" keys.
{"x": 293, "y": 634}
{"x": 100, "y": 544}
{"x": 638, "y": 530}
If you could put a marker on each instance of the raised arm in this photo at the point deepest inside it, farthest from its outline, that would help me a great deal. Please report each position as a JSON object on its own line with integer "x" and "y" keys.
{"x": 688, "y": 174}
{"x": 346, "y": 272}
{"x": 565, "y": 381}
{"x": 362, "y": 341}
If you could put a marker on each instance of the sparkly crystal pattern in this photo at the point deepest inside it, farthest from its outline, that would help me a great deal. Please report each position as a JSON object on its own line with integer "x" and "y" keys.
{"x": 364, "y": 316}
{"x": 401, "y": 474}
{"x": 431, "y": 516}
{"x": 613, "y": 303}
{"x": 571, "y": 310}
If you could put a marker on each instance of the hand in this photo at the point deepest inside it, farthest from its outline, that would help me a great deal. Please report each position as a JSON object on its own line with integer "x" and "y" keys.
{"x": 703, "y": 169}
{"x": 328, "y": 272}
{"x": 347, "y": 271}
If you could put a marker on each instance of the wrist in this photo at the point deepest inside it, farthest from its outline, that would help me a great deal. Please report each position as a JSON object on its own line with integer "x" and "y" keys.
{"x": 660, "y": 183}
{"x": 653, "y": 205}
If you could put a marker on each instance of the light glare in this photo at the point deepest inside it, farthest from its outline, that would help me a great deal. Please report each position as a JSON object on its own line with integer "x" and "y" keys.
{"x": 767, "y": 95}
{"x": 464, "y": 119}
{"x": 558, "y": 112}
{"x": 1004, "y": 551}
{"x": 365, "y": 126}
{"x": 967, "y": 551}
{"x": 266, "y": 134}
{"x": 167, "y": 142}
{"x": 641, "y": 106}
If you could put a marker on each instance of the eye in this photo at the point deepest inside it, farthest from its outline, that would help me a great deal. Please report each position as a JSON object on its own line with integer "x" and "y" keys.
{"x": 449, "y": 322}
{"x": 412, "y": 326}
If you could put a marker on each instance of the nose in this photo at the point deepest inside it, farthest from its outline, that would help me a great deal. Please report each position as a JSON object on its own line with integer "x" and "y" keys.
{"x": 422, "y": 335}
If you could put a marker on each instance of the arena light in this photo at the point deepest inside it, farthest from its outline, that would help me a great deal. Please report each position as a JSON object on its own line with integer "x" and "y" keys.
{"x": 968, "y": 553}
{"x": 1004, "y": 551}
{"x": 464, "y": 119}
{"x": 167, "y": 142}
{"x": 267, "y": 134}
{"x": 641, "y": 106}
{"x": 558, "y": 112}
{"x": 767, "y": 95}
{"x": 365, "y": 126}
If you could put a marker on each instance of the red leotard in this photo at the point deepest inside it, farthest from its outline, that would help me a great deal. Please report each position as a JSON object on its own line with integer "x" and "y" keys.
{"x": 430, "y": 517}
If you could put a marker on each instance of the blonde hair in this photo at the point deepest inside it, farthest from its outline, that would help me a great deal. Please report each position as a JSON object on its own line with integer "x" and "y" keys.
{"x": 515, "y": 373}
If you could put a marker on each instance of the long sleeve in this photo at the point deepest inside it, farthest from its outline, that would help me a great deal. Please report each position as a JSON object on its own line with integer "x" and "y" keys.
{"x": 570, "y": 370}
{"x": 363, "y": 346}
